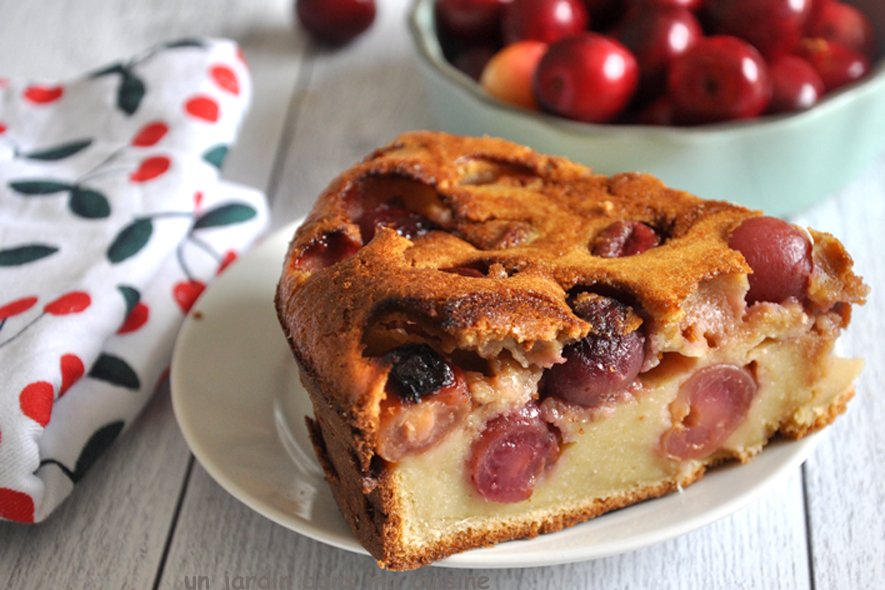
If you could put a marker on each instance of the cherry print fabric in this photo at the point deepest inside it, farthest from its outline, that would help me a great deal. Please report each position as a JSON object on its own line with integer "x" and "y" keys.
{"x": 113, "y": 219}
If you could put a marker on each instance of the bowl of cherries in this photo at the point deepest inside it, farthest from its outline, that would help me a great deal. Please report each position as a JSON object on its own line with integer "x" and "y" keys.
{"x": 774, "y": 104}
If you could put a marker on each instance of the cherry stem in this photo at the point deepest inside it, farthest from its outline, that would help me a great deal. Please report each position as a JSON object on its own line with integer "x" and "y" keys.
{"x": 96, "y": 169}
{"x": 205, "y": 247}
{"x": 179, "y": 254}
{"x": 20, "y": 332}
{"x": 64, "y": 468}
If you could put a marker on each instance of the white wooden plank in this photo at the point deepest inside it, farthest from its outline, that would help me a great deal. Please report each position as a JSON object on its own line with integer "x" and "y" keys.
{"x": 846, "y": 484}
{"x": 111, "y": 531}
{"x": 48, "y": 40}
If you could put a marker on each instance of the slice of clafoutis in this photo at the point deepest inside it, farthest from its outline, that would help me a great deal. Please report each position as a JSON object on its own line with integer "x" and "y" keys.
{"x": 499, "y": 344}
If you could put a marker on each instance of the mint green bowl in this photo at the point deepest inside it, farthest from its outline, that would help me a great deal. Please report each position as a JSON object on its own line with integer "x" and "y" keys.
{"x": 780, "y": 164}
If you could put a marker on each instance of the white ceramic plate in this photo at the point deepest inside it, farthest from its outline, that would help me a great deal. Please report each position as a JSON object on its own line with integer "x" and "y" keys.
{"x": 240, "y": 405}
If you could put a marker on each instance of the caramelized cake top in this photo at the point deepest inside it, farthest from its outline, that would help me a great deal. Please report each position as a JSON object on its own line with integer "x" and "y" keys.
{"x": 480, "y": 245}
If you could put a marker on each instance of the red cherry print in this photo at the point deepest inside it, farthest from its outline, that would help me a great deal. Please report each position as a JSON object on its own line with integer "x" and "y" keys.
{"x": 226, "y": 78}
{"x": 150, "y": 134}
{"x": 136, "y": 319}
{"x": 150, "y": 169}
{"x": 226, "y": 260}
{"x": 73, "y": 302}
{"x": 198, "y": 199}
{"x": 72, "y": 368}
{"x": 43, "y": 94}
{"x": 242, "y": 57}
{"x": 203, "y": 107}
{"x": 163, "y": 376}
{"x": 36, "y": 400}
{"x": 16, "y": 307}
{"x": 16, "y": 506}
{"x": 2, "y": 128}
{"x": 186, "y": 293}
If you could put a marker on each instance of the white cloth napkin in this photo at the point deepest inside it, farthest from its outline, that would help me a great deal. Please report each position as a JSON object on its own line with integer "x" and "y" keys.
{"x": 113, "y": 218}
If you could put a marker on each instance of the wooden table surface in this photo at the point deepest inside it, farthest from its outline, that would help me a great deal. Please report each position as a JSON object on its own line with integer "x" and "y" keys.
{"x": 148, "y": 516}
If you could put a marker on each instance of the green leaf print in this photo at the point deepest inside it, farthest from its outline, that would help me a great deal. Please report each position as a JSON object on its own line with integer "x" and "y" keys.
{"x": 114, "y": 370}
{"x": 24, "y": 254}
{"x": 59, "y": 152}
{"x": 130, "y": 240}
{"x": 225, "y": 215}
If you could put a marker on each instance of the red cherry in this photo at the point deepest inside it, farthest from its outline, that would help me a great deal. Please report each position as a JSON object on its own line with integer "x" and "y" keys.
{"x": 16, "y": 506}
{"x": 711, "y": 404}
{"x": 72, "y": 369}
{"x": 16, "y": 307}
{"x": 472, "y": 60}
{"x": 406, "y": 223}
{"x": 43, "y": 94}
{"x": 226, "y": 260}
{"x": 657, "y": 34}
{"x": 780, "y": 255}
{"x": 542, "y": 20}
{"x": 136, "y": 319}
{"x": 474, "y": 21}
{"x": 836, "y": 64}
{"x": 625, "y": 238}
{"x": 511, "y": 454}
{"x": 692, "y": 5}
{"x": 508, "y": 75}
{"x": 241, "y": 56}
{"x": 226, "y": 78}
{"x": 587, "y": 77}
{"x": 35, "y": 401}
{"x": 73, "y": 302}
{"x": 328, "y": 250}
{"x": 335, "y": 21}
{"x": 795, "y": 84}
{"x": 2, "y": 128}
{"x": 198, "y": 199}
{"x": 604, "y": 13}
{"x": 150, "y": 134}
{"x": 150, "y": 168}
{"x": 772, "y": 26}
{"x": 844, "y": 24}
{"x": 658, "y": 112}
{"x": 186, "y": 293}
{"x": 203, "y": 107}
{"x": 604, "y": 364}
{"x": 720, "y": 78}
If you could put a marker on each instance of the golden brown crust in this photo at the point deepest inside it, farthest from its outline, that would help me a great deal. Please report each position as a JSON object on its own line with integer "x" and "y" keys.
{"x": 477, "y": 190}
{"x": 821, "y": 419}
{"x": 525, "y": 223}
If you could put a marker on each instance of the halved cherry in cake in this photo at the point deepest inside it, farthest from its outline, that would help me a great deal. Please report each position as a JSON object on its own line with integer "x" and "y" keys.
{"x": 779, "y": 254}
{"x": 426, "y": 399}
{"x": 406, "y": 223}
{"x": 329, "y": 249}
{"x": 606, "y": 361}
{"x": 409, "y": 207}
{"x": 484, "y": 269}
{"x": 625, "y": 238}
{"x": 511, "y": 454}
{"x": 710, "y": 406}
